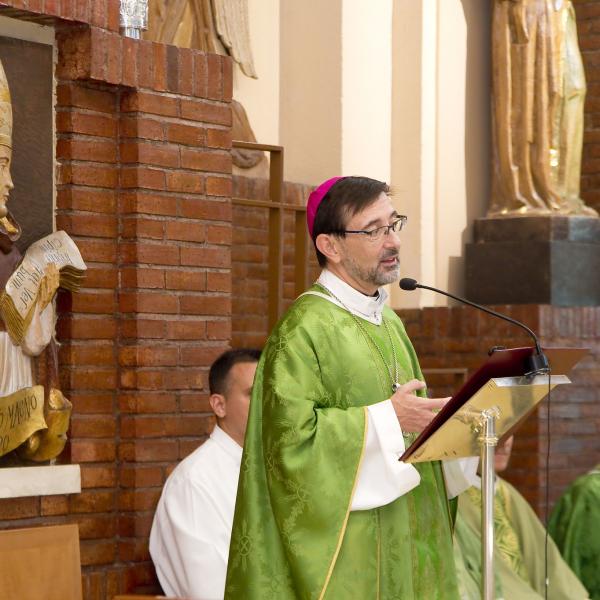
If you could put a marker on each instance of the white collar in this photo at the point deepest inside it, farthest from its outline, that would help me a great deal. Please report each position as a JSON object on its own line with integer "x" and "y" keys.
{"x": 369, "y": 308}
{"x": 227, "y": 443}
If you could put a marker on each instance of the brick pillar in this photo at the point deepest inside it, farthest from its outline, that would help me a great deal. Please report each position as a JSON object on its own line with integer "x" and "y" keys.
{"x": 87, "y": 197}
{"x": 144, "y": 189}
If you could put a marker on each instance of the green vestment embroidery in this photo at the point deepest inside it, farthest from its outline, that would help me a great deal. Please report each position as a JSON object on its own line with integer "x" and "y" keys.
{"x": 506, "y": 538}
{"x": 302, "y": 453}
{"x": 528, "y": 533}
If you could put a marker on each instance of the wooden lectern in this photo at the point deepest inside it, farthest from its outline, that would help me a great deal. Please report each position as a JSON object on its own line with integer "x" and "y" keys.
{"x": 489, "y": 406}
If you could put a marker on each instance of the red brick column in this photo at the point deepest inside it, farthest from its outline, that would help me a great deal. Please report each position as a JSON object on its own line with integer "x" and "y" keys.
{"x": 174, "y": 265}
{"x": 87, "y": 199}
{"x": 144, "y": 188}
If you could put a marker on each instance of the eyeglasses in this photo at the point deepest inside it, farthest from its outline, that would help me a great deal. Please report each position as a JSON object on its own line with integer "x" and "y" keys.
{"x": 376, "y": 234}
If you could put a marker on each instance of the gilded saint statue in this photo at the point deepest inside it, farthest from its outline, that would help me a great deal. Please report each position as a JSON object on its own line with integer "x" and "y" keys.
{"x": 34, "y": 414}
{"x": 537, "y": 109}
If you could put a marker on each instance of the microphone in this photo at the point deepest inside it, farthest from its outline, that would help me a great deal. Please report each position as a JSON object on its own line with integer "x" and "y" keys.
{"x": 536, "y": 364}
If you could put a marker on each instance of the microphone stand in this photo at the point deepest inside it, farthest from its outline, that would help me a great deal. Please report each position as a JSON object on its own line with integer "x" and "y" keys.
{"x": 487, "y": 444}
{"x": 485, "y": 425}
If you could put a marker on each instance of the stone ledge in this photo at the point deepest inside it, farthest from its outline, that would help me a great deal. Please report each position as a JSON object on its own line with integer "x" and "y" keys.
{"x": 17, "y": 482}
{"x": 534, "y": 260}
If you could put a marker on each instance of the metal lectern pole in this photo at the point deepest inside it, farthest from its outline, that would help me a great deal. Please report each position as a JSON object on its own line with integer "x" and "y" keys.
{"x": 487, "y": 442}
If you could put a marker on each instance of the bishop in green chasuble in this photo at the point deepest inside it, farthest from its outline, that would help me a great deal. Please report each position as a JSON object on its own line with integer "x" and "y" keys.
{"x": 324, "y": 508}
{"x": 294, "y": 535}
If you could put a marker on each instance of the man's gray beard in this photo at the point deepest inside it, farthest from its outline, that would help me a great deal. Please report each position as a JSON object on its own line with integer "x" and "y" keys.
{"x": 383, "y": 278}
{"x": 374, "y": 276}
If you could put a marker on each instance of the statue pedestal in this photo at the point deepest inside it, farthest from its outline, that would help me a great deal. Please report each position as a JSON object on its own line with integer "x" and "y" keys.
{"x": 534, "y": 260}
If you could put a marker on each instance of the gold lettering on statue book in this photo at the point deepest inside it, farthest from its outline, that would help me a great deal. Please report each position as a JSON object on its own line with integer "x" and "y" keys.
{"x": 21, "y": 414}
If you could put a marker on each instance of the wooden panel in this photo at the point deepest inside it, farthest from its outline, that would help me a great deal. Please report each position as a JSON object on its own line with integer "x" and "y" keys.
{"x": 40, "y": 563}
{"x": 275, "y": 238}
{"x": 276, "y": 207}
{"x": 444, "y": 382}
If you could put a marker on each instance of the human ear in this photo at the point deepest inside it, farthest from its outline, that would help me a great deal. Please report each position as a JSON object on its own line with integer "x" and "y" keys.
{"x": 327, "y": 245}
{"x": 218, "y": 405}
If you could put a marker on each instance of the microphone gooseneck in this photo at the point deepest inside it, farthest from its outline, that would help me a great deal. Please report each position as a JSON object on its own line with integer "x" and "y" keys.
{"x": 536, "y": 364}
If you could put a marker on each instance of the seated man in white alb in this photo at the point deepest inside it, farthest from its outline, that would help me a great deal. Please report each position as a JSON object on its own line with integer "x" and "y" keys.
{"x": 189, "y": 541}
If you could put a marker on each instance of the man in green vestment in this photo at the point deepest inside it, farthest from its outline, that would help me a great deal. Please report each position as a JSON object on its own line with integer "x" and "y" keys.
{"x": 519, "y": 554}
{"x": 575, "y": 527}
{"x": 324, "y": 507}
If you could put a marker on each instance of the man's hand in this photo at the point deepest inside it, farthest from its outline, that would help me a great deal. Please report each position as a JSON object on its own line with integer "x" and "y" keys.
{"x": 415, "y": 413}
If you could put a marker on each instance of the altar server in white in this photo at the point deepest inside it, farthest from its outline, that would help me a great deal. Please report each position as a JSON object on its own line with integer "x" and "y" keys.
{"x": 189, "y": 541}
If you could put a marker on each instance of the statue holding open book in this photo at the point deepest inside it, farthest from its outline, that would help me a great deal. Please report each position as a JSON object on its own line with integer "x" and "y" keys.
{"x": 34, "y": 414}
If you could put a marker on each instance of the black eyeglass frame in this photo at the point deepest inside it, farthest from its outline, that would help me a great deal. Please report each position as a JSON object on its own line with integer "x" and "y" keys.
{"x": 398, "y": 225}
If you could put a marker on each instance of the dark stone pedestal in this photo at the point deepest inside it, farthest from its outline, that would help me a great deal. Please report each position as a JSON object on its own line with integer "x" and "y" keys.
{"x": 534, "y": 260}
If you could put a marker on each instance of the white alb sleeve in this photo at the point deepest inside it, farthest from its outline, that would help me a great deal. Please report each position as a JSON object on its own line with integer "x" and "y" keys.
{"x": 382, "y": 477}
{"x": 460, "y": 474}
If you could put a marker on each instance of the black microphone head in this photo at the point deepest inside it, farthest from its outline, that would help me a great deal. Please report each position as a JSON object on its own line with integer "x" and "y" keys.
{"x": 408, "y": 284}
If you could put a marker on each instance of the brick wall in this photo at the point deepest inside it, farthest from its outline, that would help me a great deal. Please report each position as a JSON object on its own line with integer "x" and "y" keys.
{"x": 144, "y": 187}
{"x": 588, "y": 28}
{"x": 249, "y": 256}
{"x": 460, "y": 337}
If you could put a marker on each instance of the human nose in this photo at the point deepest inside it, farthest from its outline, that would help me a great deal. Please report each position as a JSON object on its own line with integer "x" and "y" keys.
{"x": 6, "y": 180}
{"x": 392, "y": 239}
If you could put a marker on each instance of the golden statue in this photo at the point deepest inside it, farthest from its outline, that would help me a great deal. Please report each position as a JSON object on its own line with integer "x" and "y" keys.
{"x": 537, "y": 109}
{"x": 33, "y": 418}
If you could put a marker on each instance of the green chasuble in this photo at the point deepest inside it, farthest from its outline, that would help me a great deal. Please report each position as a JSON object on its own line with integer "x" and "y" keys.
{"x": 519, "y": 550}
{"x": 575, "y": 527}
{"x": 294, "y": 535}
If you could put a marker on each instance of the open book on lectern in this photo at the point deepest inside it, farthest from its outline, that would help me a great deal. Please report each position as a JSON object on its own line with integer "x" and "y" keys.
{"x": 499, "y": 384}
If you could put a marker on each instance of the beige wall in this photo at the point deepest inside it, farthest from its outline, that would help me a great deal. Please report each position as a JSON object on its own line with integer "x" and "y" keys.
{"x": 311, "y": 87}
{"x": 463, "y": 143}
{"x": 260, "y": 97}
{"x": 441, "y": 140}
{"x": 397, "y": 90}
{"x": 335, "y": 110}
{"x": 413, "y": 138}
{"x": 366, "y": 97}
